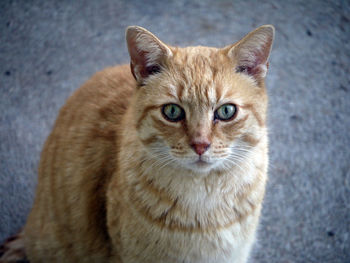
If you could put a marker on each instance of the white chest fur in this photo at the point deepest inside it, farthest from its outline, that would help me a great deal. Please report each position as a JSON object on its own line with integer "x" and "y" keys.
{"x": 143, "y": 241}
{"x": 168, "y": 217}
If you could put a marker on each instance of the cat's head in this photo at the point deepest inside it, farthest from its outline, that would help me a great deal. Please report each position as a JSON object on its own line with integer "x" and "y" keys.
{"x": 200, "y": 108}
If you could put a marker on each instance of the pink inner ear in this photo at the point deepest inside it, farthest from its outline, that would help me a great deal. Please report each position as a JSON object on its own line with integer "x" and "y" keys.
{"x": 139, "y": 64}
{"x": 138, "y": 59}
{"x": 251, "y": 65}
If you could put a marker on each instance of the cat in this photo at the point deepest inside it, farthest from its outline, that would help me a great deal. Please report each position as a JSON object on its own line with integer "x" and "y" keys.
{"x": 162, "y": 160}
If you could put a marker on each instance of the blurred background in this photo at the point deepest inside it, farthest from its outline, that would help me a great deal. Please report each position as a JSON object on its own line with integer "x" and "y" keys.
{"x": 49, "y": 48}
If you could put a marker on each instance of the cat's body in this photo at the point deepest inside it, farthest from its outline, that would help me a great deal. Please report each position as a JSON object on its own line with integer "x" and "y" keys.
{"x": 157, "y": 172}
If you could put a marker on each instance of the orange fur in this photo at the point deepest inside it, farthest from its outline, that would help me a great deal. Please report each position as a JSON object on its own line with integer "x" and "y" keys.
{"x": 118, "y": 182}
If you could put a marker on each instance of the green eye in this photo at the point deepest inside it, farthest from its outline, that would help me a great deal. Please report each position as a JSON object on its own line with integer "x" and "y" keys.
{"x": 173, "y": 112}
{"x": 225, "y": 112}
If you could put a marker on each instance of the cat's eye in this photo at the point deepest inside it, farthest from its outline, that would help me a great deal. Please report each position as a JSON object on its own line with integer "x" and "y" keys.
{"x": 173, "y": 112}
{"x": 226, "y": 112}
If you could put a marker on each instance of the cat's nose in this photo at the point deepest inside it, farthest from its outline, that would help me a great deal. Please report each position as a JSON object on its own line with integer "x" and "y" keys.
{"x": 200, "y": 148}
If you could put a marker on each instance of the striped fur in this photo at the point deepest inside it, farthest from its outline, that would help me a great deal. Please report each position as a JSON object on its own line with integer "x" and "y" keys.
{"x": 118, "y": 182}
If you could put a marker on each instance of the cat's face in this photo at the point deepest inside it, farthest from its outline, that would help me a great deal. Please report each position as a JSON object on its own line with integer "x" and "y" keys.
{"x": 198, "y": 113}
{"x": 198, "y": 108}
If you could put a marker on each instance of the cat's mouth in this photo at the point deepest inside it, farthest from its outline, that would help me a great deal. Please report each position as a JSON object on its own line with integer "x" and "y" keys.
{"x": 199, "y": 164}
{"x": 202, "y": 163}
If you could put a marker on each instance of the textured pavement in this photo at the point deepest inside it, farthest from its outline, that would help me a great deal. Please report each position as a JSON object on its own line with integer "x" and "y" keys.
{"x": 49, "y": 48}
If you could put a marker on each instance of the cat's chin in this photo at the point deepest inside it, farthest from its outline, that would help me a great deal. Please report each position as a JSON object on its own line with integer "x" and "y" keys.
{"x": 200, "y": 166}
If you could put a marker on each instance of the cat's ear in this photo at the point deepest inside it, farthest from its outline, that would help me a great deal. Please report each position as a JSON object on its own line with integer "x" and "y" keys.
{"x": 252, "y": 52}
{"x": 147, "y": 52}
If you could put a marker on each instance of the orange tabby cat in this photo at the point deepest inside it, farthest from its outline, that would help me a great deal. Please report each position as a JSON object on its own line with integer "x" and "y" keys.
{"x": 166, "y": 163}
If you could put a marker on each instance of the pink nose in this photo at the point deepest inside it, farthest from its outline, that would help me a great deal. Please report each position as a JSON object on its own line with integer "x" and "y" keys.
{"x": 200, "y": 148}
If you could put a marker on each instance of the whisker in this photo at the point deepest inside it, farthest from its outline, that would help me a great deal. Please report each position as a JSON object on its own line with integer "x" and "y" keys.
{"x": 166, "y": 163}
{"x": 232, "y": 161}
{"x": 179, "y": 153}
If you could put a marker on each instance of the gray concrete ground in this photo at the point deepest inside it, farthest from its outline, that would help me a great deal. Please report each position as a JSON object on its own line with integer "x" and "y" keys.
{"x": 49, "y": 48}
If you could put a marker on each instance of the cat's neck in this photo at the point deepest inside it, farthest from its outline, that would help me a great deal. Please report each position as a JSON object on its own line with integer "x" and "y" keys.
{"x": 173, "y": 198}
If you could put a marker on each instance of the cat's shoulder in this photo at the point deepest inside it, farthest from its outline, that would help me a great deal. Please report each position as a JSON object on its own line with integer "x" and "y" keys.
{"x": 100, "y": 102}
{"x": 111, "y": 79}
{"x": 109, "y": 89}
